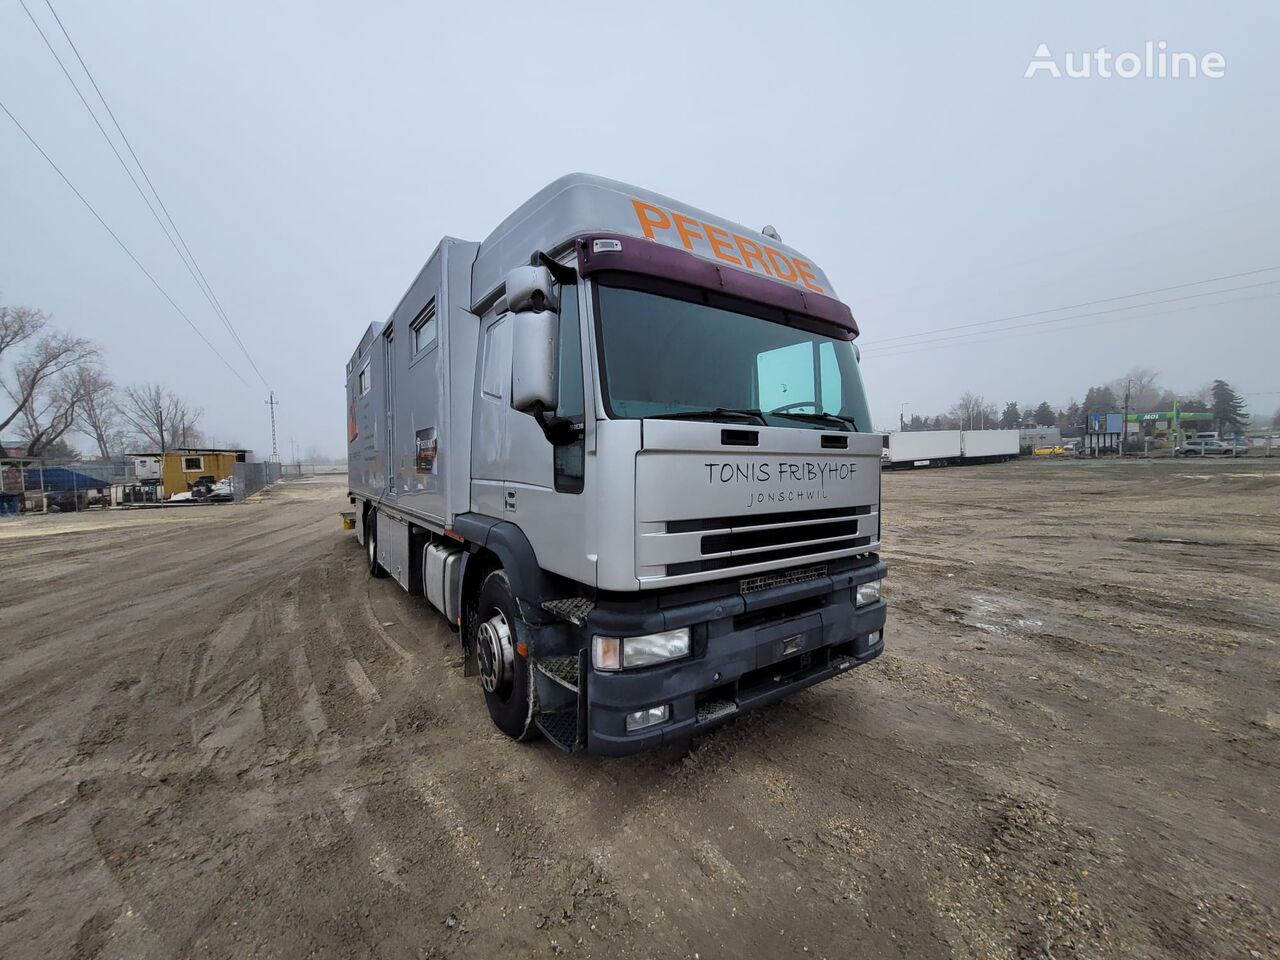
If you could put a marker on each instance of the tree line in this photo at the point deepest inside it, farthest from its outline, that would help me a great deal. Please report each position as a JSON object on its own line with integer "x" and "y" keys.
{"x": 1144, "y": 395}
{"x": 57, "y": 386}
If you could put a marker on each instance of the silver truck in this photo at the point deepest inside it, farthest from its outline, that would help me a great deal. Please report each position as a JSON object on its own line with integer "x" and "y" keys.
{"x": 623, "y": 446}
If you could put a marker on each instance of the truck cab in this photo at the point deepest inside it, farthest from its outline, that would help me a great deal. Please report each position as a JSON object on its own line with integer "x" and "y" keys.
{"x": 624, "y": 447}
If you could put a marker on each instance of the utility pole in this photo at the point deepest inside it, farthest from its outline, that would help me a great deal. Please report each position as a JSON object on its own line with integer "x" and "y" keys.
{"x": 1124, "y": 423}
{"x": 273, "y": 403}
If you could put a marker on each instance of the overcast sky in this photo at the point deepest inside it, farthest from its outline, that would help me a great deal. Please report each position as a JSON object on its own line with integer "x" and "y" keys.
{"x": 314, "y": 153}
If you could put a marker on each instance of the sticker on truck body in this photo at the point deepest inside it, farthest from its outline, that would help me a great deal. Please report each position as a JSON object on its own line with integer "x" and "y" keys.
{"x": 666, "y": 226}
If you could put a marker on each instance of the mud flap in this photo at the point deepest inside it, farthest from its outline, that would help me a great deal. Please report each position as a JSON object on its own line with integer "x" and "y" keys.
{"x": 559, "y": 687}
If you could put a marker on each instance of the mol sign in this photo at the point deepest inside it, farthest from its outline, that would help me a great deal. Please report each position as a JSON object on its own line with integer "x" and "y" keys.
{"x": 671, "y": 227}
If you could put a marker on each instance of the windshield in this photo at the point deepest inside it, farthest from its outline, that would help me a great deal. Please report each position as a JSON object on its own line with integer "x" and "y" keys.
{"x": 665, "y": 357}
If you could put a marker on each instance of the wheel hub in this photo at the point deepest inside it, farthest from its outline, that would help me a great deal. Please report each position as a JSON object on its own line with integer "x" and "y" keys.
{"x": 495, "y": 654}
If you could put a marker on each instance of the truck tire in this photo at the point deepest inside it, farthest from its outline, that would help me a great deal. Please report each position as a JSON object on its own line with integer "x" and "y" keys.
{"x": 371, "y": 544}
{"x": 504, "y": 672}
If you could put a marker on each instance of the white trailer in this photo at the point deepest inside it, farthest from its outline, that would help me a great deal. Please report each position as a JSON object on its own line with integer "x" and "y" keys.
{"x": 922, "y": 448}
{"x": 147, "y": 468}
{"x": 989, "y": 446}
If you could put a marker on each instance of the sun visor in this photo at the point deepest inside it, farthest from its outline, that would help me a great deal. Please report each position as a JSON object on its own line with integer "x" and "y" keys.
{"x": 604, "y": 252}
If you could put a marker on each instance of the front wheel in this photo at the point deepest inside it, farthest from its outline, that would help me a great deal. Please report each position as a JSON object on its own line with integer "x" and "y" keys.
{"x": 502, "y": 659}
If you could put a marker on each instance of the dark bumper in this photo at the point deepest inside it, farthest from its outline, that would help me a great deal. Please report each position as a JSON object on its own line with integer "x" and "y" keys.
{"x": 736, "y": 667}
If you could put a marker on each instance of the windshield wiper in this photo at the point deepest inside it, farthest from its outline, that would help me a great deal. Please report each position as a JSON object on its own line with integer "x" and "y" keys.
{"x": 848, "y": 422}
{"x": 740, "y": 413}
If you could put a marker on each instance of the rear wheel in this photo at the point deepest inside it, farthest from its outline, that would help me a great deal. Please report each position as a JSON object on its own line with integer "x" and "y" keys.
{"x": 504, "y": 670}
{"x": 371, "y": 544}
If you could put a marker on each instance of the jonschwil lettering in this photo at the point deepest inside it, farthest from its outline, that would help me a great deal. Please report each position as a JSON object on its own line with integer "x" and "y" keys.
{"x": 764, "y": 472}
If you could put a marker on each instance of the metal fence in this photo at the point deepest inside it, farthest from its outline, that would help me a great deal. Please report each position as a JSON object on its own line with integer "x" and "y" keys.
{"x": 296, "y": 470}
{"x": 33, "y": 483}
{"x": 248, "y": 478}
{"x": 29, "y": 483}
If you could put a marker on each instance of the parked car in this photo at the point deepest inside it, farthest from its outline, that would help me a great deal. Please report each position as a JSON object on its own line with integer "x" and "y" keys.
{"x": 1204, "y": 448}
{"x": 1054, "y": 450}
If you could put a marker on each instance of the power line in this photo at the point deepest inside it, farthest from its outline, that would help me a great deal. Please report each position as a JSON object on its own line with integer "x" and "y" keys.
{"x": 121, "y": 244}
{"x": 1037, "y": 323}
{"x": 203, "y": 281}
{"x": 1077, "y": 306}
{"x": 197, "y": 274}
{"x": 994, "y": 336}
{"x": 990, "y": 336}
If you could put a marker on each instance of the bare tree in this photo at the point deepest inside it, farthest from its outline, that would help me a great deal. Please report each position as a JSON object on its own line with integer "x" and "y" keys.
{"x": 1144, "y": 392}
{"x": 161, "y": 418}
{"x": 97, "y": 416}
{"x": 972, "y": 411}
{"x": 19, "y": 324}
{"x": 185, "y": 432}
{"x": 35, "y": 378}
{"x": 49, "y": 411}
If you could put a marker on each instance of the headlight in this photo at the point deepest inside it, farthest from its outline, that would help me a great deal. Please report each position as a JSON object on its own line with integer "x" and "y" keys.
{"x": 623, "y": 653}
{"x": 867, "y": 593}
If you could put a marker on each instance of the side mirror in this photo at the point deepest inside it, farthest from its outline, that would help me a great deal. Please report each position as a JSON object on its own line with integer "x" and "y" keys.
{"x": 531, "y": 288}
{"x": 535, "y": 338}
{"x": 535, "y": 359}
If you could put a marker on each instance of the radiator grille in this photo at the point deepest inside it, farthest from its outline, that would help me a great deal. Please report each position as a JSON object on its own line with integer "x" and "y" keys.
{"x": 775, "y": 536}
{"x": 762, "y": 519}
{"x": 768, "y": 556}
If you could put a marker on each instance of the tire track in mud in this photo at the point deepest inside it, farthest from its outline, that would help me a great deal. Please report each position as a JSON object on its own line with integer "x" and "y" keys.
{"x": 947, "y": 800}
{"x": 679, "y": 873}
{"x": 221, "y": 679}
{"x": 129, "y": 748}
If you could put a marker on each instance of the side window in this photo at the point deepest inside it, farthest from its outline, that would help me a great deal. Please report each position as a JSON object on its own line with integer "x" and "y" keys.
{"x": 424, "y": 327}
{"x": 570, "y": 405}
{"x": 492, "y": 379}
{"x": 365, "y": 380}
{"x": 829, "y": 375}
{"x": 784, "y": 377}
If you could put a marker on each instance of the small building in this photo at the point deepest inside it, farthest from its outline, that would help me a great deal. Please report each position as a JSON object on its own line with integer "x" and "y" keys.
{"x": 182, "y": 469}
{"x": 1031, "y": 437}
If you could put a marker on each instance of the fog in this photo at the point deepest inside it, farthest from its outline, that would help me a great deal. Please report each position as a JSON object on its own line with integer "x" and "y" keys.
{"x": 314, "y": 153}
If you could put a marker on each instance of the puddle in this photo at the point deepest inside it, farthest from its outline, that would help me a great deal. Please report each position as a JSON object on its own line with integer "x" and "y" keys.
{"x": 999, "y": 615}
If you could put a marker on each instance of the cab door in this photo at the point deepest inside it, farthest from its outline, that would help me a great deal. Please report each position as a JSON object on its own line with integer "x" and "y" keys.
{"x": 491, "y": 437}
{"x": 547, "y": 494}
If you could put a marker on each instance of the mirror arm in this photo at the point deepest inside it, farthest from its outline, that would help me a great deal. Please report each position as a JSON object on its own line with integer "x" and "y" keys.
{"x": 559, "y": 431}
{"x": 560, "y": 272}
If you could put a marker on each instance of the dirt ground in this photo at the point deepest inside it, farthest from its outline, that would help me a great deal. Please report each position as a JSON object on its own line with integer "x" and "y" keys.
{"x": 220, "y": 738}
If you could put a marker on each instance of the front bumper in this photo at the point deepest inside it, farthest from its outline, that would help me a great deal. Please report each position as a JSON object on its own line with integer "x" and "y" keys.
{"x": 739, "y": 663}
